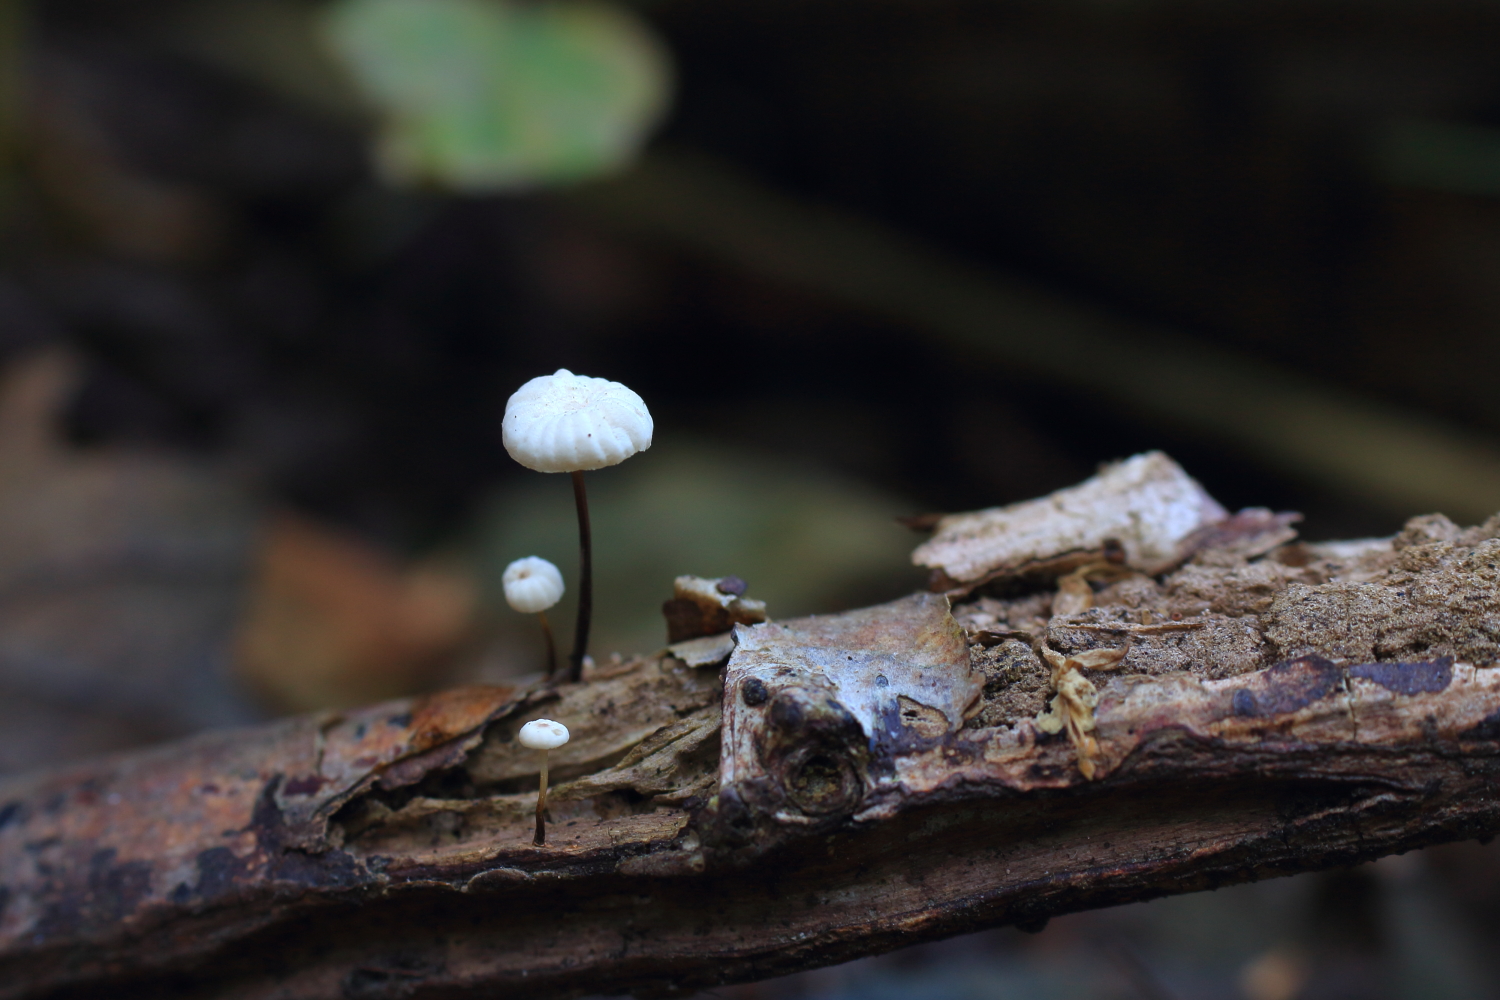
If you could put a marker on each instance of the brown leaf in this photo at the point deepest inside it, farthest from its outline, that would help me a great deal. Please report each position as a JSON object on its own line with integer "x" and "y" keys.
{"x": 334, "y": 622}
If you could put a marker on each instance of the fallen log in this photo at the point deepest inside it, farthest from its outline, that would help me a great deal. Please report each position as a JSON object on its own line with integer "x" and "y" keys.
{"x": 792, "y": 794}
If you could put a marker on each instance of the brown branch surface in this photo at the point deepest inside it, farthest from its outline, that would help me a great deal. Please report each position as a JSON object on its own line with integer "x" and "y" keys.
{"x": 806, "y": 793}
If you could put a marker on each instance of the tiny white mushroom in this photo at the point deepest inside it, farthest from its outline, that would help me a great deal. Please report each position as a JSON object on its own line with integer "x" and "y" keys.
{"x": 573, "y": 423}
{"x": 532, "y": 585}
{"x": 543, "y": 735}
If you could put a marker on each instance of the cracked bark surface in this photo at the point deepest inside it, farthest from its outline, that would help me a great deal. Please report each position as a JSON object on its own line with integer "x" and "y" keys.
{"x": 792, "y": 795}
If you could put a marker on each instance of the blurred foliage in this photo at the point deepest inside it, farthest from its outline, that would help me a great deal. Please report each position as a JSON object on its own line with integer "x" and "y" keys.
{"x": 11, "y": 33}
{"x": 484, "y": 95}
{"x": 805, "y": 540}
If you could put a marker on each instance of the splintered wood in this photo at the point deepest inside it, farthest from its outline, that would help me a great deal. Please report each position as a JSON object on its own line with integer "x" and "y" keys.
{"x": 1160, "y": 698}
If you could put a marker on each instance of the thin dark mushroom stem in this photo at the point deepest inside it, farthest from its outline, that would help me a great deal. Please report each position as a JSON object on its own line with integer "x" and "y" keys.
{"x": 551, "y": 644}
{"x": 541, "y": 802}
{"x": 585, "y": 583}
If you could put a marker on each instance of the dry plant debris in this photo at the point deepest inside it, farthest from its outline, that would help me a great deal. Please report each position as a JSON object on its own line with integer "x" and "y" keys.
{"x": 1072, "y": 709}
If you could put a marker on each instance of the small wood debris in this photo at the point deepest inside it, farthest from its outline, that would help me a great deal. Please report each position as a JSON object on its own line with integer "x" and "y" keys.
{"x": 703, "y": 606}
{"x": 704, "y": 651}
{"x": 1246, "y": 535}
{"x": 995, "y": 636}
{"x": 1137, "y": 629}
{"x": 1147, "y": 505}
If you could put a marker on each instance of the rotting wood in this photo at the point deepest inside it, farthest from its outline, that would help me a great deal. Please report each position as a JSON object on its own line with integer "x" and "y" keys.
{"x": 879, "y": 782}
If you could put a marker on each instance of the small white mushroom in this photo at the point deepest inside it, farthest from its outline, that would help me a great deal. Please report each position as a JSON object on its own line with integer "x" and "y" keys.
{"x": 532, "y": 585}
{"x": 573, "y": 423}
{"x": 543, "y": 735}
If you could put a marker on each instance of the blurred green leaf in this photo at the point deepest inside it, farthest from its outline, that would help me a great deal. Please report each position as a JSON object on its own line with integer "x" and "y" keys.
{"x": 1440, "y": 156}
{"x": 484, "y": 95}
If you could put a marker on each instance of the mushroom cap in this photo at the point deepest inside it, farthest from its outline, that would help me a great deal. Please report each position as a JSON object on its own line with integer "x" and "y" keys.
{"x": 572, "y": 423}
{"x": 543, "y": 734}
{"x": 532, "y": 585}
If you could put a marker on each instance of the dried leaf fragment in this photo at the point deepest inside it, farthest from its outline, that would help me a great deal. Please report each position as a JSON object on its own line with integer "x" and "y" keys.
{"x": 333, "y": 622}
{"x": 1074, "y": 595}
{"x": 704, "y": 651}
{"x": 1072, "y": 708}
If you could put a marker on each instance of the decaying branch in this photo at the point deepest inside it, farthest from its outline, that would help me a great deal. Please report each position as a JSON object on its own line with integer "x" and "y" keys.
{"x": 792, "y": 794}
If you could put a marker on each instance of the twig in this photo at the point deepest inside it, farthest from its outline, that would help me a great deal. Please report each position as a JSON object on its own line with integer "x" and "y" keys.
{"x": 1378, "y": 449}
{"x": 1134, "y": 629}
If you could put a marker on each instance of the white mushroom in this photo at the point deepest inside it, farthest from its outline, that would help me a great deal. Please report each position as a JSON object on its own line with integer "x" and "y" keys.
{"x": 532, "y": 585}
{"x": 543, "y": 735}
{"x": 572, "y": 423}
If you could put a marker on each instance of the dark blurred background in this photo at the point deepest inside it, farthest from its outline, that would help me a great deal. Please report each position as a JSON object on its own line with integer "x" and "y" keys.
{"x": 862, "y": 258}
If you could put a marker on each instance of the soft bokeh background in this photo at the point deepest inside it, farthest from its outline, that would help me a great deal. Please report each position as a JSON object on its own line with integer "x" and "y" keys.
{"x": 270, "y": 268}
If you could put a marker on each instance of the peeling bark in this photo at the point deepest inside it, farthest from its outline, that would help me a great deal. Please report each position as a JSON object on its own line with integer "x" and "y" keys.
{"x": 788, "y": 795}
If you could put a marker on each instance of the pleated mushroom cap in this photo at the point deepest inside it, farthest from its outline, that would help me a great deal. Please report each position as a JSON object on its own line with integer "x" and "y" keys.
{"x": 572, "y": 423}
{"x": 543, "y": 734}
{"x": 532, "y": 585}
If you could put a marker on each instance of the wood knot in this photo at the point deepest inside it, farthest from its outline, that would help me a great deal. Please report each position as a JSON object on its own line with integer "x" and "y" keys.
{"x": 815, "y": 749}
{"x": 821, "y": 781}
